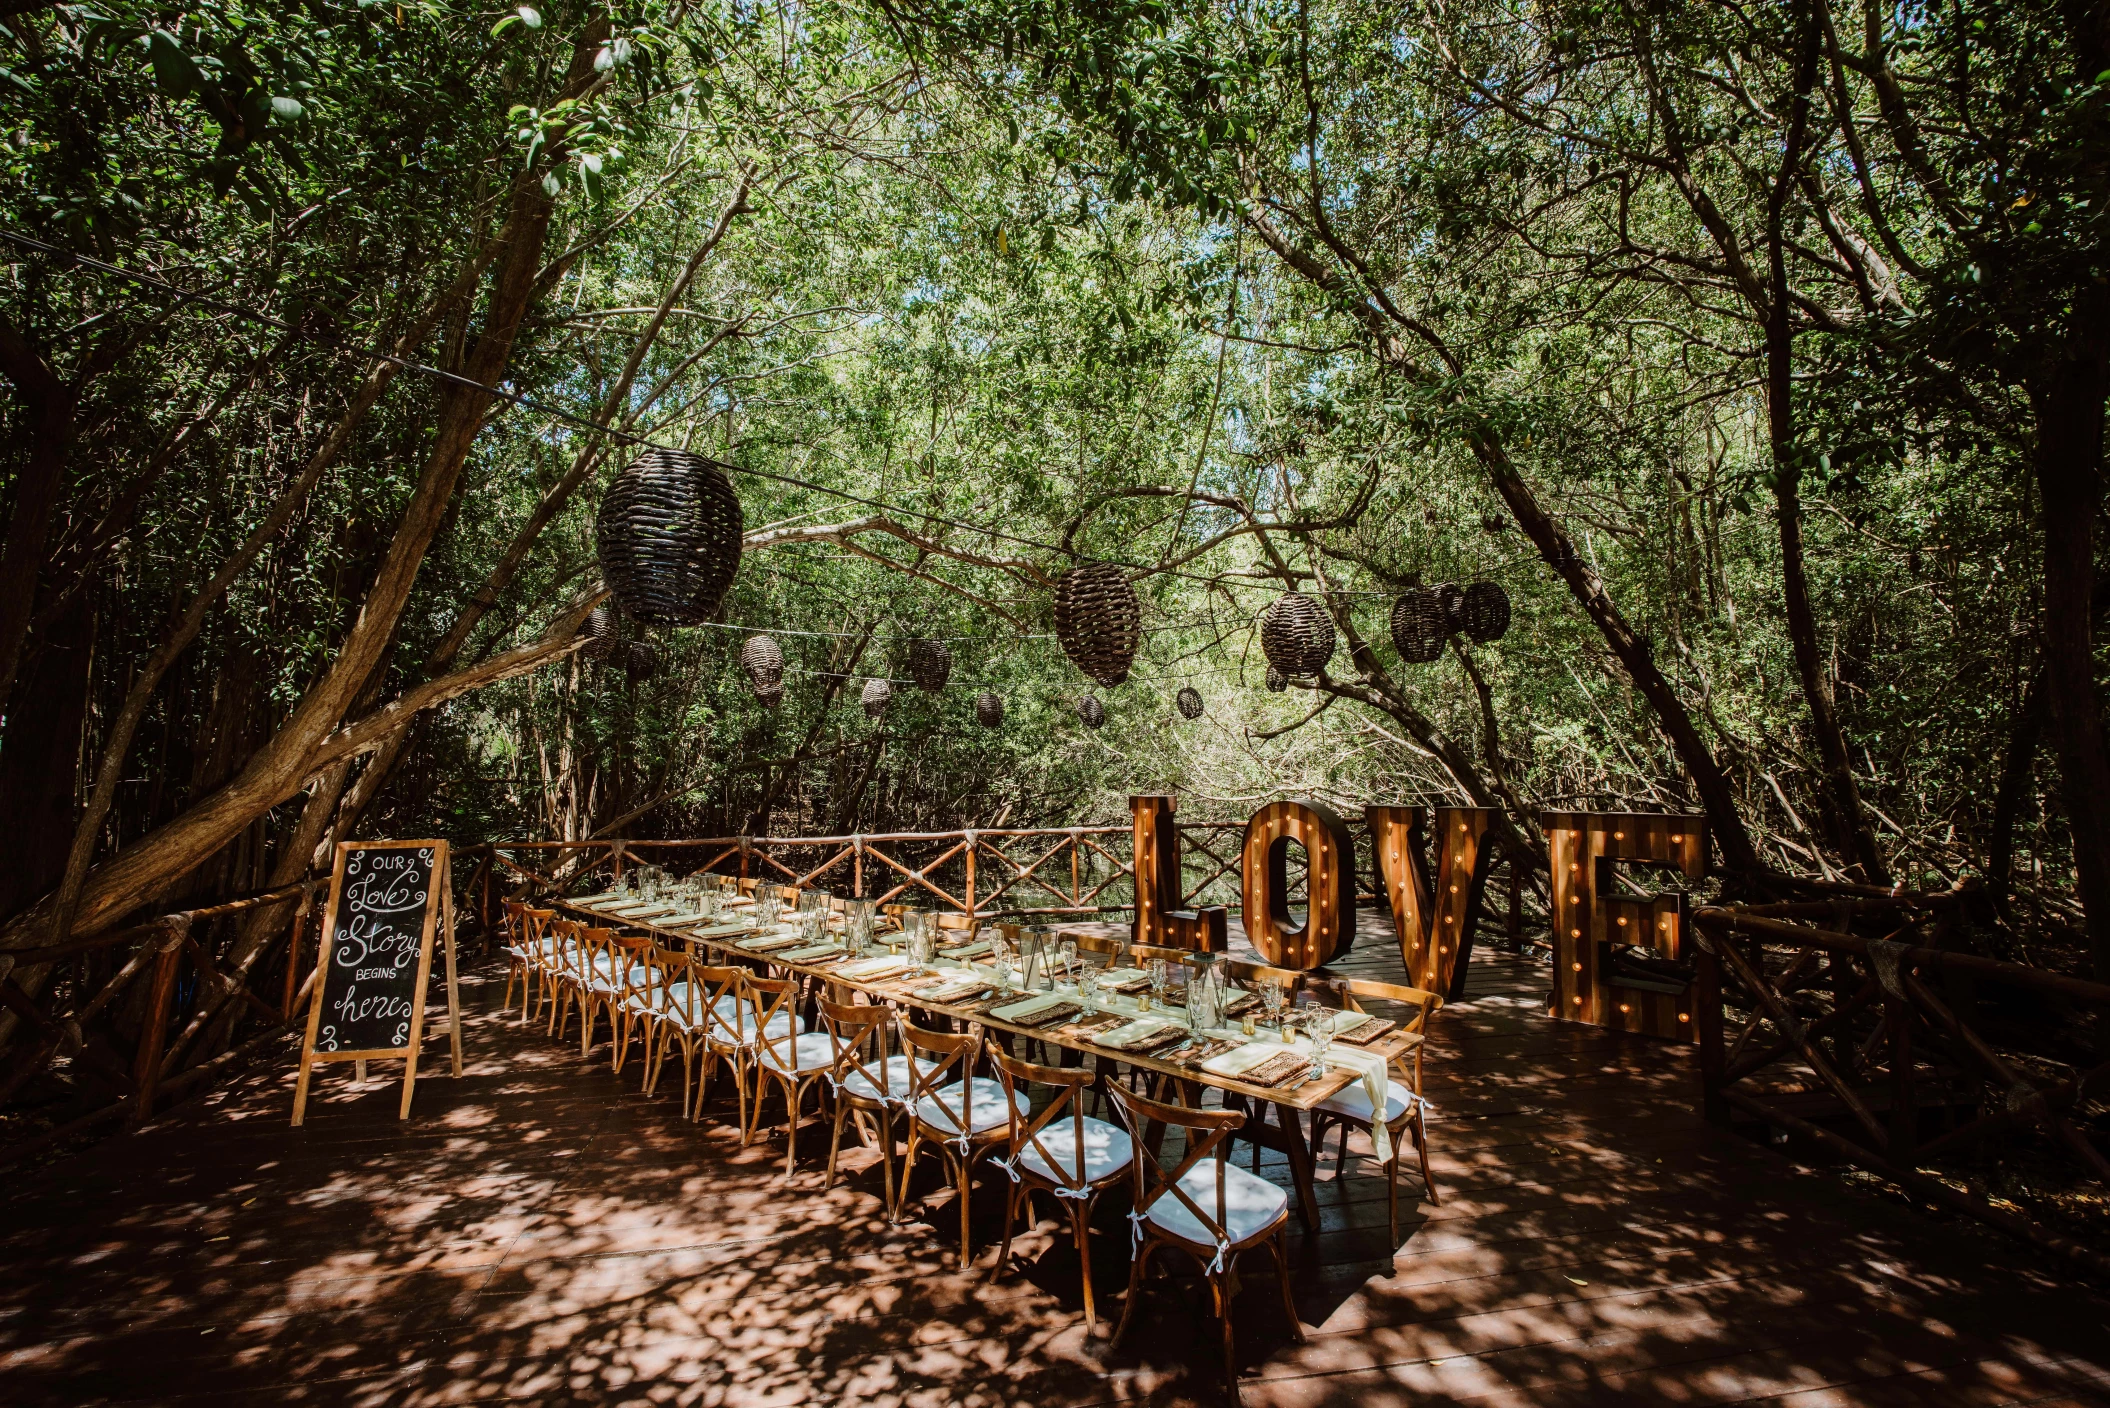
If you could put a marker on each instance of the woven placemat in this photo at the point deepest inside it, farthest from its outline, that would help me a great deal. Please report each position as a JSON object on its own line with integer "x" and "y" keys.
{"x": 1277, "y": 1070}
{"x": 1366, "y": 1032}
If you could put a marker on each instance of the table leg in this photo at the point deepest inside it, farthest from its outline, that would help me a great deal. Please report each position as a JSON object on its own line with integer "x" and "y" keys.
{"x": 1300, "y": 1165}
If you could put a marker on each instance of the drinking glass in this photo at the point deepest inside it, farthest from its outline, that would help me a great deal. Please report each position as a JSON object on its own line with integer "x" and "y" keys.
{"x": 766, "y": 909}
{"x": 1003, "y": 970}
{"x": 1318, "y": 1025}
{"x": 922, "y": 946}
{"x": 1088, "y": 984}
{"x": 1271, "y": 1003}
{"x": 1160, "y": 975}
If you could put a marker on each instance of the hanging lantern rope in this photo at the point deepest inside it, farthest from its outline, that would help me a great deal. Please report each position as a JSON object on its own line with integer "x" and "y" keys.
{"x": 1296, "y": 634}
{"x": 1098, "y": 620}
{"x": 929, "y": 663}
{"x": 1418, "y": 629}
{"x": 668, "y": 536}
{"x": 1189, "y": 700}
{"x": 1091, "y": 711}
{"x": 877, "y": 695}
{"x": 989, "y": 708}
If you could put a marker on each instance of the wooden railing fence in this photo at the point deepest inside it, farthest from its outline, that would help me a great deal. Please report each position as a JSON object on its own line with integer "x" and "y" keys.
{"x": 1859, "y": 1043}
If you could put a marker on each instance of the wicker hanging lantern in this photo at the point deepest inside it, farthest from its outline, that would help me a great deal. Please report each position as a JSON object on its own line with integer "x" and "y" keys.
{"x": 878, "y": 694}
{"x": 1418, "y": 630}
{"x": 929, "y": 663}
{"x": 770, "y": 695}
{"x": 1189, "y": 700}
{"x": 1296, "y": 634}
{"x": 668, "y": 537}
{"x": 1450, "y": 599}
{"x": 1091, "y": 711}
{"x": 1486, "y": 612}
{"x": 602, "y": 632}
{"x": 1098, "y": 620}
{"x": 641, "y": 660}
{"x": 1277, "y": 679}
{"x": 763, "y": 659}
{"x": 989, "y": 708}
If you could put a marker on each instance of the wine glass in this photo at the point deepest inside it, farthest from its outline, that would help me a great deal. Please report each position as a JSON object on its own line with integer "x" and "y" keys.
{"x": 1003, "y": 968}
{"x": 1088, "y": 985}
{"x": 1318, "y": 1025}
{"x": 766, "y": 908}
{"x": 1160, "y": 975}
{"x": 922, "y": 946}
{"x": 1271, "y": 1004}
{"x": 1068, "y": 951}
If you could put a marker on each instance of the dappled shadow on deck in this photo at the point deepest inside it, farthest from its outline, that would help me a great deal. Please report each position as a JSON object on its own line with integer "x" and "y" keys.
{"x": 541, "y": 1230}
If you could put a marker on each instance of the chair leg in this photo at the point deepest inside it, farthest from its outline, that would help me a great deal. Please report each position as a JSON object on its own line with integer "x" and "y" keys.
{"x": 1421, "y": 1147}
{"x": 793, "y": 1098}
{"x": 1392, "y": 1195}
{"x": 1220, "y": 1297}
{"x": 1081, "y": 1223}
{"x": 1135, "y": 1291}
{"x": 1279, "y": 1245}
{"x": 966, "y": 1182}
{"x": 1011, "y": 1200}
{"x": 908, "y": 1167}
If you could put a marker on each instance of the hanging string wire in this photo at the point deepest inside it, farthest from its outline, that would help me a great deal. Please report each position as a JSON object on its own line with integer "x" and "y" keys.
{"x": 559, "y": 413}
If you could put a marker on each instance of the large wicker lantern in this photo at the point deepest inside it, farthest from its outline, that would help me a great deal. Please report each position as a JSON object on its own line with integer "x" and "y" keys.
{"x": 1277, "y": 679}
{"x": 989, "y": 708}
{"x": 602, "y": 632}
{"x": 1091, "y": 711}
{"x": 878, "y": 694}
{"x": 1189, "y": 701}
{"x": 929, "y": 664}
{"x": 1098, "y": 621}
{"x": 1296, "y": 634}
{"x": 668, "y": 537}
{"x": 1486, "y": 612}
{"x": 1418, "y": 627}
{"x": 763, "y": 659}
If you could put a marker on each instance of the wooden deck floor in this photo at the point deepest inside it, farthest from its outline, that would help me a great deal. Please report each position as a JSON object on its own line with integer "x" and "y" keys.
{"x": 540, "y": 1230}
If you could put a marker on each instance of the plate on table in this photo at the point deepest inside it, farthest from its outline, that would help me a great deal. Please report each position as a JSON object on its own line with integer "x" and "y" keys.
{"x": 869, "y": 969}
{"x": 809, "y": 952}
{"x": 1124, "y": 980}
{"x": 1030, "y": 1010}
{"x": 1143, "y": 1031}
{"x": 1233, "y": 1064}
{"x": 973, "y": 950}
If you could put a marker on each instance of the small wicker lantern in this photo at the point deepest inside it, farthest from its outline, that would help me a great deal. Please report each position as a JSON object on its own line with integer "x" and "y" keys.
{"x": 1189, "y": 700}
{"x": 1277, "y": 680}
{"x": 989, "y": 708}
{"x": 763, "y": 660}
{"x": 1091, "y": 711}
{"x": 602, "y": 632}
{"x": 878, "y": 694}
{"x": 1418, "y": 629}
{"x": 1486, "y": 612}
{"x": 641, "y": 661}
{"x": 1296, "y": 634}
{"x": 1450, "y": 599}
{"x": 1098, "y": 620}
{"x": 668, "y": 536}
{"x": 929, "y": 664}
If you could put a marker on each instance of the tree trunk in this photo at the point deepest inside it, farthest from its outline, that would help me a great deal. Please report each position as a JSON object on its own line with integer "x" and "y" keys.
{"x": 47, "y": 420}
{"x": 2067, "y": 400}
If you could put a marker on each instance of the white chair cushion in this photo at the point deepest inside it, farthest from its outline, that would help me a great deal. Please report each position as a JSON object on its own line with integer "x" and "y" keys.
{"x": 897, "y": 1079}
{"x": 810, "y": 1051}
{"x": 1250, "y": 1203}
{"x": 982, "y": 1100}
{"x": 1354, "y": 1102}
{"x": 1107, "y": 1150}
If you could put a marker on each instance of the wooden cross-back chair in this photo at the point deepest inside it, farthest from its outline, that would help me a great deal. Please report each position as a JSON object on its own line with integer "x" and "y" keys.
{"x": 1060, "y": 1151}
{"x": 520, "y": 959}
{"x": 569, "y": 976}
{"x": 631, "y": 978}
{"x": 646, "y": 1005}
{"x": 965, "y": 1118}
{"x": 868, "y": 1083}
{"x": 783, "y": 1051}
{"x": 716, "y": 1030}
{"x": 1404, "y": 1110}
{"x": 1205, "y": 1206}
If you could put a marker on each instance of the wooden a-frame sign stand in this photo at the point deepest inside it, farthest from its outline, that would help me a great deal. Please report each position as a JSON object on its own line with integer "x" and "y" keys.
{"x": 438, "y": 915}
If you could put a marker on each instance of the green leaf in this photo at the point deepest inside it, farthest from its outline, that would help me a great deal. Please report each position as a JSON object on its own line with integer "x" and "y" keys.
{"x": 287, "y": 109}
{"x": 174, "y": 71}
{"x": 530, "y": 16}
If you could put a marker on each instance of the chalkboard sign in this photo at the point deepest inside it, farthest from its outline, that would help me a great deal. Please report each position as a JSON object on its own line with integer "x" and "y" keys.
{"x": 387, "y": 899}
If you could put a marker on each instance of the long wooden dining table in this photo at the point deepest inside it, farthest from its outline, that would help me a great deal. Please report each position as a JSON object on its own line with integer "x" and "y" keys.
{"x": 1285, "y": 1133}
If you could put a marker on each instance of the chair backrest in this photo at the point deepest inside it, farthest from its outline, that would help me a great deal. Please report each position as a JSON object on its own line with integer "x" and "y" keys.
{"x": 512, "y": 919}
{"x": 948, "y": 1051}
{"x": 769, "y": 997}
{"x": 535, "y": 924}
{"x": 1349, "y": 994}
{"x": 679, "y": 985}
{"x": 857, "y": 1035}
{"x": 1069, "y": 1083}
{"x": 1205, "y": 1131}
{"x": 718, "y": 983}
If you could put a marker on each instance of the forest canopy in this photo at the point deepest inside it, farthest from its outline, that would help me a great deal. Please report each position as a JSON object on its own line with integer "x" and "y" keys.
{"x": 1757, "y": 354}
